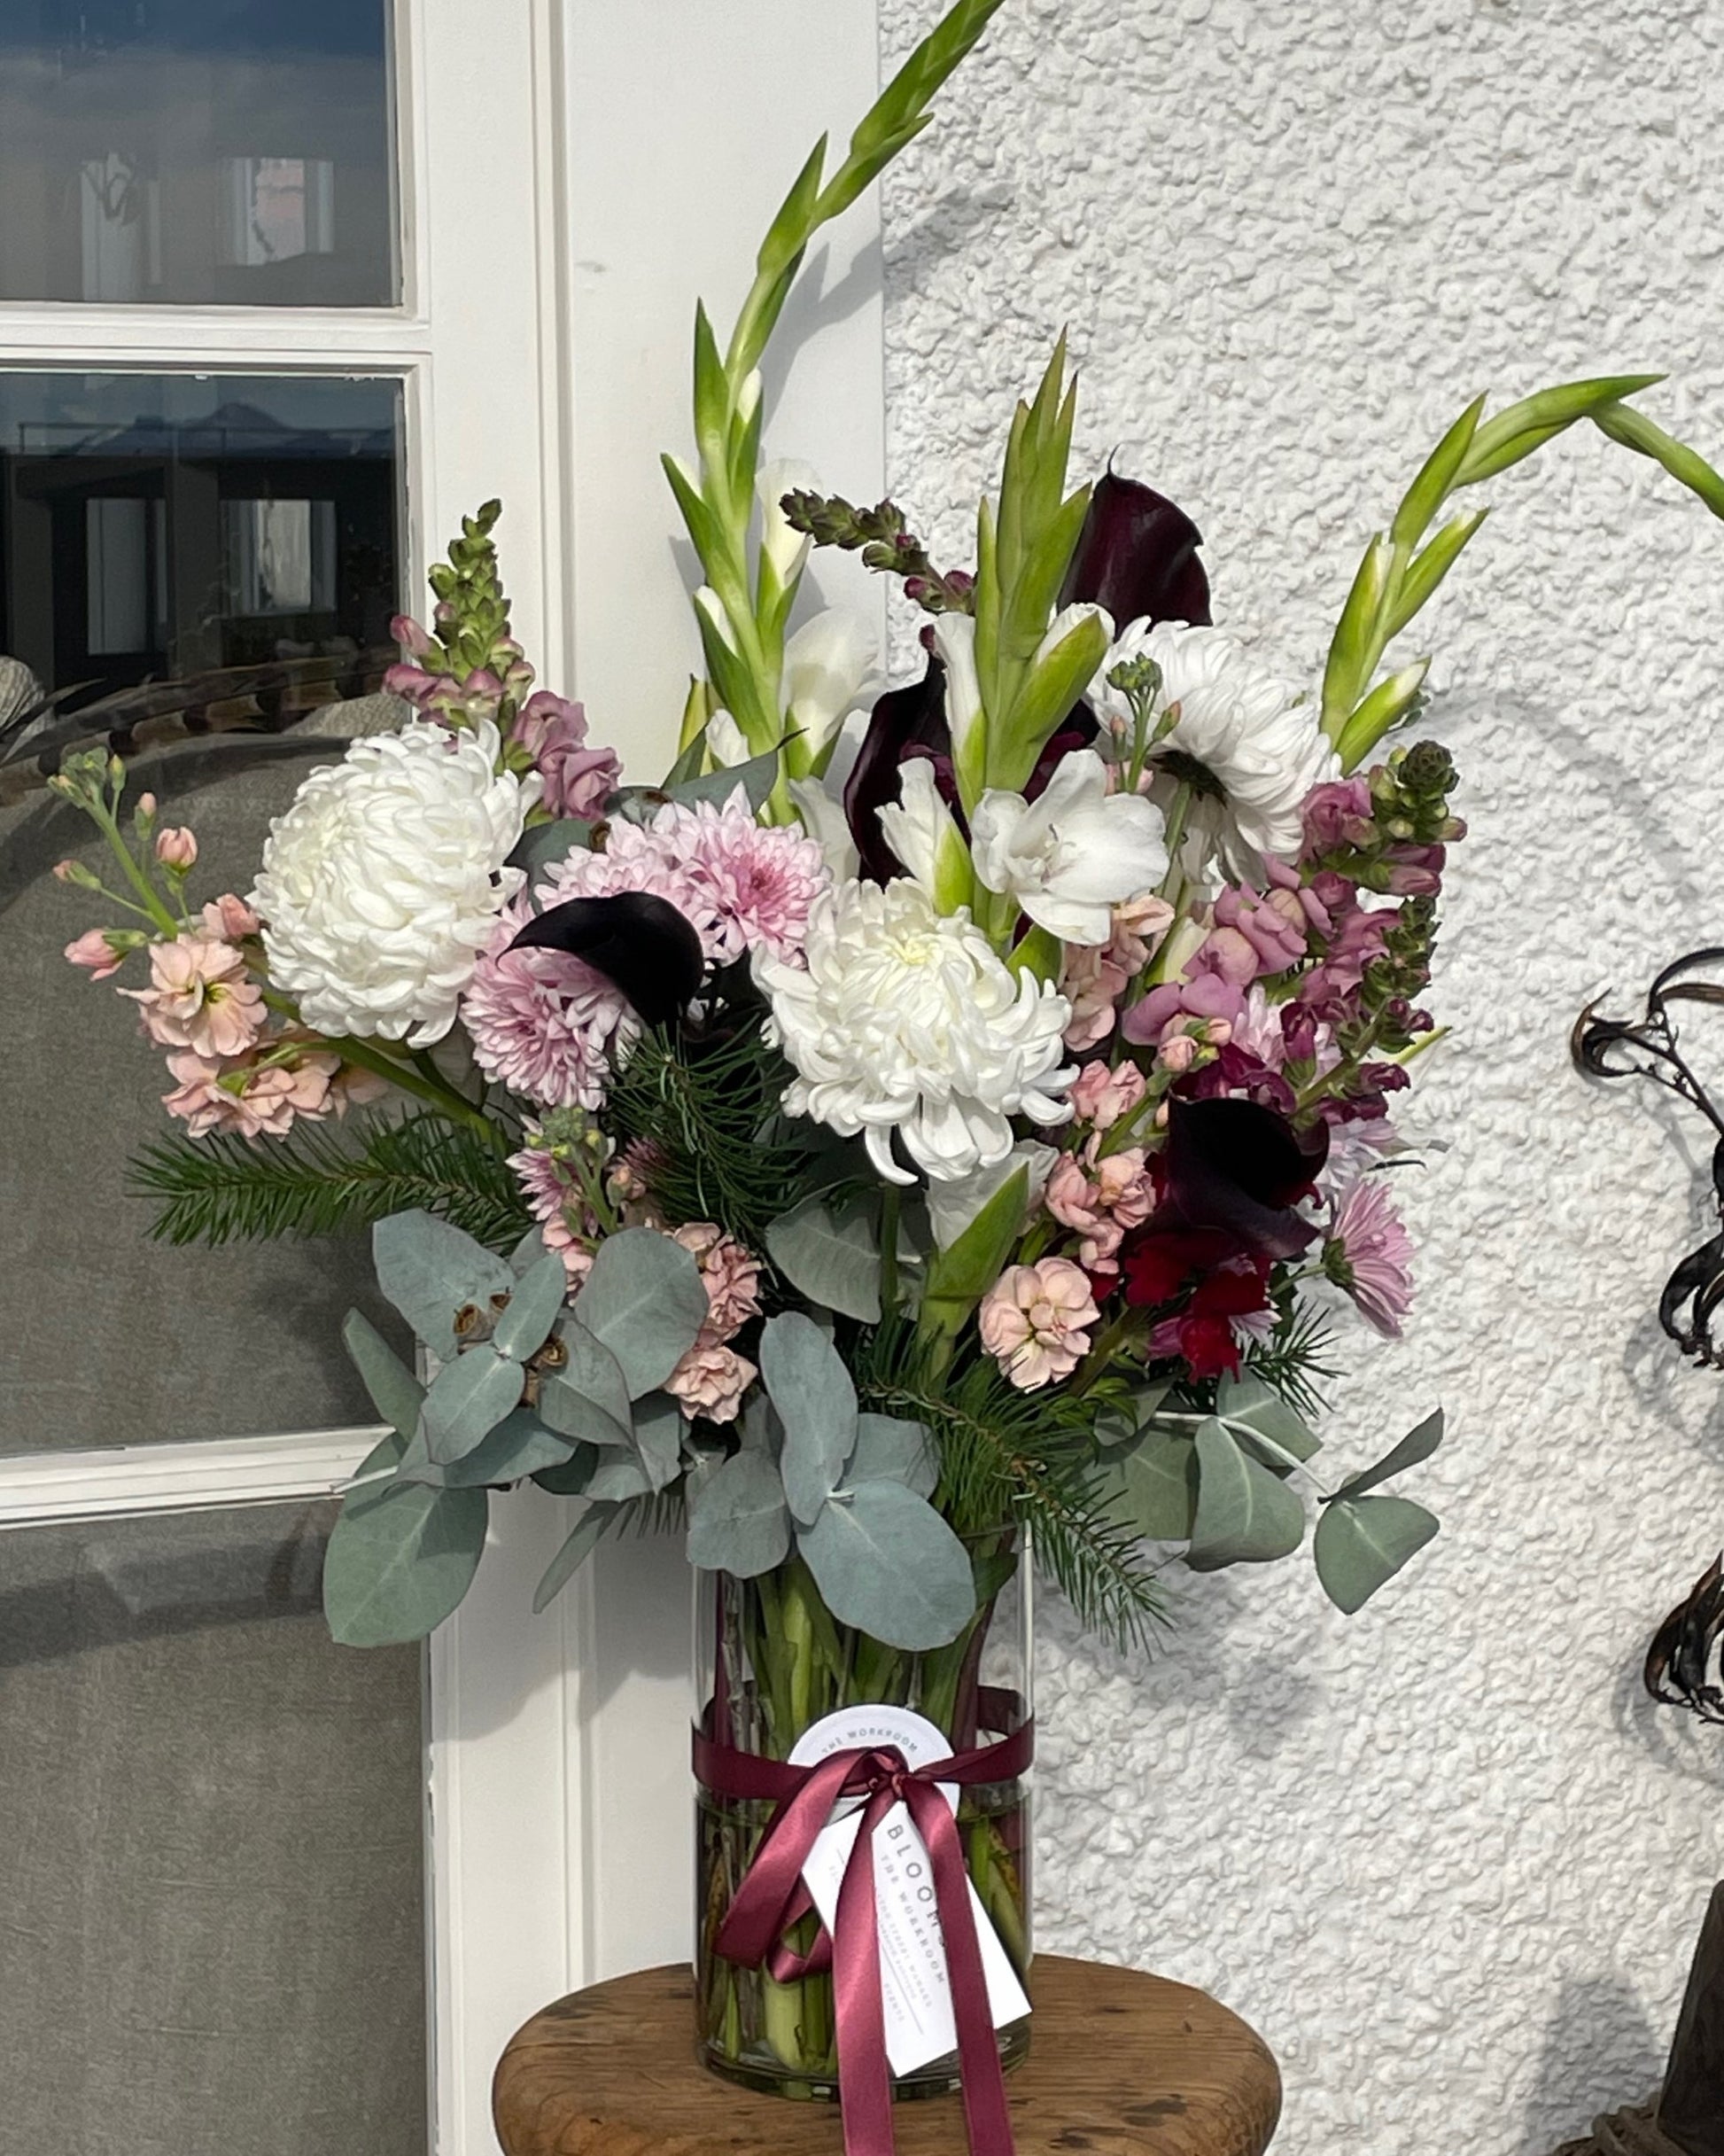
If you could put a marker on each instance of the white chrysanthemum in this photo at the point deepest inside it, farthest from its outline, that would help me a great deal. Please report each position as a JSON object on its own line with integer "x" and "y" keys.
{"x": 1252, "y": 752}
{"x": 382, "y": 881}
{"x": 905, "y": 1020}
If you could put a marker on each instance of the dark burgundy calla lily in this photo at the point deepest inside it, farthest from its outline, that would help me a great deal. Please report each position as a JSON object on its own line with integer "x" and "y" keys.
{"x": 905, "y": 721}
{"x": 1136, "y": 556}
{"x": 1239, "y": 1168}
{"x": 639, "y": 942}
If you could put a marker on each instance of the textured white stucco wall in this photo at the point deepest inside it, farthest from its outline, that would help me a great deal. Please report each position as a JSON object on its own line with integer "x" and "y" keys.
{"x": 1443, "y": 1855}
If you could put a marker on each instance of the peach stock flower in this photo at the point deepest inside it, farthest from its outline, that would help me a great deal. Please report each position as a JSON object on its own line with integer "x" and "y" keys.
{"x": 200, "y": 998}
{"x": 711, "y": 1380}
{"x": 1033, "y": 1321}
{"x": 254, "y": 1101}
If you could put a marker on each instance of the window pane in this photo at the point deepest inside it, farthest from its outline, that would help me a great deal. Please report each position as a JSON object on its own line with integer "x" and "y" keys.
{"x": 233, "y": 152}
{"x": 155, "y": 528}
{"x": 211, "y": 1869}
{"x": 212, "y": 560}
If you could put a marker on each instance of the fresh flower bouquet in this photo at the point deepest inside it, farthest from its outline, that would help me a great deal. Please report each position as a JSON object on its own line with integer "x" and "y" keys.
{"x": 931, "y": 1125}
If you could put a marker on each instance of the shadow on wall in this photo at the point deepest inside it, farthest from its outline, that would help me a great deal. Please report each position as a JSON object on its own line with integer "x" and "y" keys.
{"x": 1600, "y": 2052}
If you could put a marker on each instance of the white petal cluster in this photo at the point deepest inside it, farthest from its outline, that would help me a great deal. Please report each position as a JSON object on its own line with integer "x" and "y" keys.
{"x": 1074, "y": 853}
{"x": 383, "y": 877}
{"x": 1260, "y": 751}
{"x": 905, "y": 1020}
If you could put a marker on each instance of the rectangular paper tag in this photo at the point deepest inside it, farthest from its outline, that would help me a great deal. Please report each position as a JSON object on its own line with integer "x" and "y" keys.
{"x": 914, "y": 1987}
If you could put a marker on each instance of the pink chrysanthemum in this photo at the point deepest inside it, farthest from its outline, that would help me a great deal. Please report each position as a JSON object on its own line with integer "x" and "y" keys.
{"x": 762, "y": 880}
{"x": 1368, "y": 1254}
{"x": 543, "y": 1023}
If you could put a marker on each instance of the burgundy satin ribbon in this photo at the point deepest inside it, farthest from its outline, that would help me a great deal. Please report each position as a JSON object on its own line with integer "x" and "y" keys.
{"x": 773, "y": 1896}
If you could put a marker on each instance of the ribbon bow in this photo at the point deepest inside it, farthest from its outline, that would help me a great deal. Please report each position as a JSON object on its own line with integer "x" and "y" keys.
{"x": 773, "y": 1896}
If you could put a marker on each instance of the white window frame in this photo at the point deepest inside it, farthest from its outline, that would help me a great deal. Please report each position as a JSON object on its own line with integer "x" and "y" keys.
{"x": 559, "y": 220}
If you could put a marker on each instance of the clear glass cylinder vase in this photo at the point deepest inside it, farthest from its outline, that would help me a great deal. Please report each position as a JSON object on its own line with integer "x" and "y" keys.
{"x": 771, "y": 1661}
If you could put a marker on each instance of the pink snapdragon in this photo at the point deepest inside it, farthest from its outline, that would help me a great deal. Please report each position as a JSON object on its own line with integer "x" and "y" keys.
{"x": 1034, "y": 1321}
{"x": 1095, "y": 978}
{"x": 1339, "y": 815}
{"x": 1369, "y": 1256}
{"x": 200, "y": 998}
{"x": 579, "y": 781}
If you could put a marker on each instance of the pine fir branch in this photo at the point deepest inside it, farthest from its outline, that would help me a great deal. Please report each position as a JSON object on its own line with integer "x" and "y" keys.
{"x": 1006, "y": 1454}
{"x": 323, "y": 1180}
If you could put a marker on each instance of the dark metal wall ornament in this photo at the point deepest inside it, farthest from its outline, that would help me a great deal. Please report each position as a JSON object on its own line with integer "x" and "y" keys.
{"x": 1687, "y": 2117}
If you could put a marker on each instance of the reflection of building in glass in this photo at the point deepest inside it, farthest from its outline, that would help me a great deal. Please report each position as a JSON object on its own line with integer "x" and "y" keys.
{"x": 182, "y": 151}
{"x": 157, "y": 528}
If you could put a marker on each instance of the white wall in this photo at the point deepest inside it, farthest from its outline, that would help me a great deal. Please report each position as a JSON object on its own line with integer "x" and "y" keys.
{"x": 1443, "y": 1854}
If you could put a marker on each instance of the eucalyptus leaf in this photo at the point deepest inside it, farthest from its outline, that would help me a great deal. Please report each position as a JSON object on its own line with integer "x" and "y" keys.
{"x": 888, "y": 1450}
{"x": 1152, "y": 1487}
{"x": 395, "y": 1392}
{"x": 1246, "y": 1515}
{"x": 816, "y": 1402}
{"x": 571, "y": 1478}
{"x": 660, "y": 1426}
{"x": 430, "y": 1269}
{"x": 738, "y": 1521}
{"x": 644, "y": 1301}
{"x": 519, "y": 1446}
{"x": 467, "y": 1398}
{"x": 830, "y": 1257}
{"x": 399, "y": 1562}
{"x": 1247, "y": 1400}
{"x": 380, "y": 1462}
{"x": 1361, "y": 1542}
{"x": 1416, "y": 1445}
{"x": 542, "y": 843}
{"x": 588, "y": 1396}
{"x": 533, "y": 1304}
{"x": 618, "y": 1477}
{"x": 584, "y": 1537}
{"x": 527, "y": 1252}
{"x": 885, "y": 1561}
{"x": 757, "y": 777}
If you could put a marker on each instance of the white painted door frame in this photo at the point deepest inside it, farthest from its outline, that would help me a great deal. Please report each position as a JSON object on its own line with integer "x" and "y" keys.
{"x": 574, "y": 174}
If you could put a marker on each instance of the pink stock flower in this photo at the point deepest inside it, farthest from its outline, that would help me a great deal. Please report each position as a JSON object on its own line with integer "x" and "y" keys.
{"x": 229, "y": 918}
{"x": 200, "y": 998}
{"x": 1092, "y": 985}
{"x": 1101, "y": 1094}
{"x": 1100, "y": 1199}
{"x": 94, "y": 952}
{"x": 711, "y": 1380}
{"x": 547, "y": 1026}
{"x": 177, "y": 846}
{"x": 252, "y": 1101}
{"x": 730, "y": 1276}
{"x": 1032, "y": 1321}
{"x": 579, "y": 781}
{"x": 1368, "y": 1255}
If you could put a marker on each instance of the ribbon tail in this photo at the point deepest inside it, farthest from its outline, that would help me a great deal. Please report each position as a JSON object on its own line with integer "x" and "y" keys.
{"x": 987, "y": 2117}
{"x": 865, "y": 2087}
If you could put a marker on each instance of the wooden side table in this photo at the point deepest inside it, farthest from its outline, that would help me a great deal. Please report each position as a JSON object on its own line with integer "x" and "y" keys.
{"x": 1121, "y": 2064}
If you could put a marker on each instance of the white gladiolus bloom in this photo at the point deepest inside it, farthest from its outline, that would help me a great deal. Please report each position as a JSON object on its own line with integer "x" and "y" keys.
{"x": 905, "y": 1021}
{"x": 1250, "y": 751}
{"x": 952, "y": 1206}
{"x": 786, "y": 550}
{"x": 1069, "y": 857}
{"x": 383, "y": 877}
{"x": 954, "y": 640}
{"x": 828, "y": 666}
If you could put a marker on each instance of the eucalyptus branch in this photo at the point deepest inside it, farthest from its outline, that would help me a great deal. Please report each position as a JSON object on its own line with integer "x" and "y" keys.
{"x": 743, "y": 612}
{"x": 1402, "y": 567}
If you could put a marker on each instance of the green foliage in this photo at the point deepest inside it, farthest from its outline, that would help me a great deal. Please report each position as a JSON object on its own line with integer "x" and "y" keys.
{"x": 808, "y": 1384}
{"x": 1245, "y": 1512}
{"x": 709, "y": 1109}
{"x": 643, "y": 1301}
{"x": 1028, "y": 1458}
{"x": 400, "y": 1560}
{"x": 830, "y": 1256}
{"x": 1402, "y": 568}
{"x": 886, "y": 1562}
{"x": 326, "y": 1179}
{"x": 1361, "y": 1542}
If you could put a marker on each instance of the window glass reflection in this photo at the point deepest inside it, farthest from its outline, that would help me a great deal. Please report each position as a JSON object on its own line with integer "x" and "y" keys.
{"x": 230, "y": 152}
{"x": 233, "y": 533}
